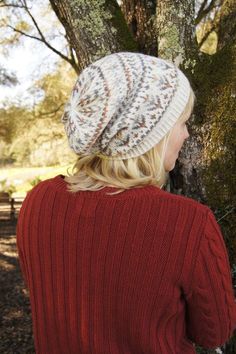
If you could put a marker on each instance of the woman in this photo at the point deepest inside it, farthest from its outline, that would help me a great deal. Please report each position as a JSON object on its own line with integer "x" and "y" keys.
{"x": 113, "y": 262}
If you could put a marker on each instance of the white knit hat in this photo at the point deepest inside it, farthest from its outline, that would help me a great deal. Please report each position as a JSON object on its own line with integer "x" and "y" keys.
{"x": 124, "y": 104}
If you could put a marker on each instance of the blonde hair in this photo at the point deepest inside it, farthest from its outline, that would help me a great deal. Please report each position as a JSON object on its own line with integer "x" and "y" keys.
{"x": 94, "y": 172}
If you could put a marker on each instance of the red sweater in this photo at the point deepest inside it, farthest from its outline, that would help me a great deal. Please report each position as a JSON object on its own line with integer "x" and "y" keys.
{"x": 142, "y": 272}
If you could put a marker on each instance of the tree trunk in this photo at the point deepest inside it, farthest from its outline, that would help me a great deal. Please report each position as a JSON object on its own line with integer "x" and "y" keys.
{"x": 177, "y": 42}
{"x": 94, "y": 28}
{"x": 97, "y": 28}
{"x": 226, "y": 29}
{"x": 176, "y": 32}
{"x": 140, "y": 16}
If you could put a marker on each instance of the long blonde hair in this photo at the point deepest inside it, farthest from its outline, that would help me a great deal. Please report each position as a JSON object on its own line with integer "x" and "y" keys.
{"x": 93, "y": 172}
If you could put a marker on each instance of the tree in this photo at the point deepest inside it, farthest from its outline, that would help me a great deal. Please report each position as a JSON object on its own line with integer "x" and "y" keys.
{"x": 38, "y": 137}
{"x": 19, "y": 18}
{"x": 226, "y": 24}
{"x": 140, "y": 16}
{"x": 94, "y": 28}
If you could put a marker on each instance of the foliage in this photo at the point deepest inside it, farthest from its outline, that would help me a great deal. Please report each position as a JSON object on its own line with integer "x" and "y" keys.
{"x": 12, "y": 122}
{"x": 36, "y": 137}
{"x": 33, "y": 182}
{"x": 7, "y": 187}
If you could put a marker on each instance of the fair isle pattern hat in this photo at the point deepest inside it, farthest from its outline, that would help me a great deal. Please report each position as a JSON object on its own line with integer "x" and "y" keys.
{"x": 123, "y": 104}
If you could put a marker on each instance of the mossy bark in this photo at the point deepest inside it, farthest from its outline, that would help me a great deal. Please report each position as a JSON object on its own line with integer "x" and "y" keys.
{"x": 177, "y": 43}
{"x": 215, "y": 121}
{"x": 94, "y": 28}
{"x": 141, "y": 18}
{"x": 226, "y": 29}
{"x": 175, "y": 32}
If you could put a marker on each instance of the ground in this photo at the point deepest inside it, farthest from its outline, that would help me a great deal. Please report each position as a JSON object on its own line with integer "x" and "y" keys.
{"x": 15, "y": 320}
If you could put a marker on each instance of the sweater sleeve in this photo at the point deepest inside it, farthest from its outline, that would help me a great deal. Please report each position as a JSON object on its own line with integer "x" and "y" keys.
{"x": 210, "y": 303}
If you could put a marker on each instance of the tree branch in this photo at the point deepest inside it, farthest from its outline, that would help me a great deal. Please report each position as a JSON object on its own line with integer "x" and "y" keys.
{"x": 49, "y": 113}
{"x": 41, "y": 38}
{"x": 69, "y": 60}
{"x": 23, "y": 33}
{"x": 204, "y": 38}
{"x": 228, "y": 212}
{"x": 70, "y": 49}
{"x": 200, "y": 10}
{"x": 203, "y": 12}
{"x": 12, "y": 5}
{"x": 34, "y": 22}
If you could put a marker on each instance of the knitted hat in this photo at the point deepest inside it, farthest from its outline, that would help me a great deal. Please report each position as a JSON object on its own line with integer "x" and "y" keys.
{"x": 123, "y": 104}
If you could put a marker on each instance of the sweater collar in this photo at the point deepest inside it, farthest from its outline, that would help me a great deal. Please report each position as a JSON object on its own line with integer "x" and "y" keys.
{"x": 60, "y": 184}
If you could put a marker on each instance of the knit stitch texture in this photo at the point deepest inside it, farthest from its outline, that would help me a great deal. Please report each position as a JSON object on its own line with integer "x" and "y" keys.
{"x": 141, "y": 272}
{"x": 124, "y": 104}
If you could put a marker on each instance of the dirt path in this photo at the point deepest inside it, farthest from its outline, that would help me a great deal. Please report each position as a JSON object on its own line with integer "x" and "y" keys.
{"x": 15, "y": 319}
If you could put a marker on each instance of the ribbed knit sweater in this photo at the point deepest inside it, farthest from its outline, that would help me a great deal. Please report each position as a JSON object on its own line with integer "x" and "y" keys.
{"x": 141, "y": 272}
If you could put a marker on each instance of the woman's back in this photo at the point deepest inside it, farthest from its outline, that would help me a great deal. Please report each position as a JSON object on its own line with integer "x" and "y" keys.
{"x": 144, "y": 271}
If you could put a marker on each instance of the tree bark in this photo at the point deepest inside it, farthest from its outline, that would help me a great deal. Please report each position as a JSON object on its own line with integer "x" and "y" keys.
{"x": 226, "y": 29}
{"x": 177, "y": 42}
{"x": 140, "y": 16}
{"x": 176, "y": 32}
{"x": 94, "y": 28}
